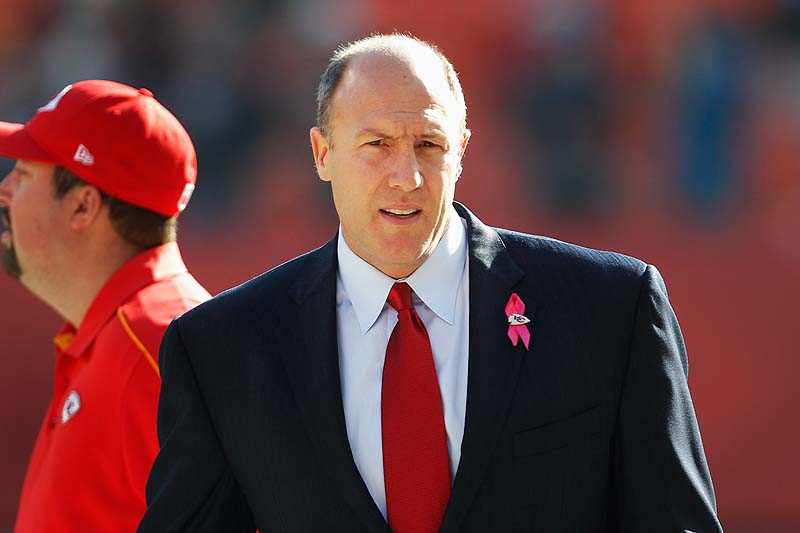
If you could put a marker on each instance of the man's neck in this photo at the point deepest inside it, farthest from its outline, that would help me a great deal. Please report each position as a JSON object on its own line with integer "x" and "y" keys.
{"x": 71, "y": 291}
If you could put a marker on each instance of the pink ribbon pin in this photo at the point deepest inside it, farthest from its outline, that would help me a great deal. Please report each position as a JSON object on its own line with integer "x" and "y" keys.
{"x": 517, "y": 322}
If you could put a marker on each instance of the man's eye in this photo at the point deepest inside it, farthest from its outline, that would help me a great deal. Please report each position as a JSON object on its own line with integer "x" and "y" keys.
{"x": 377, "y": 142}
{"x": 428, "y": 144}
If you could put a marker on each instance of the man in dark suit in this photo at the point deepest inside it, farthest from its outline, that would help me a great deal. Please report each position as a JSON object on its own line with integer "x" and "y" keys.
{"x": 422, "y": 371}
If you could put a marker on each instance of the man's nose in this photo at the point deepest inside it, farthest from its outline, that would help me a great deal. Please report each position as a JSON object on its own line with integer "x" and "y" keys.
{"x": 405, "y": 174}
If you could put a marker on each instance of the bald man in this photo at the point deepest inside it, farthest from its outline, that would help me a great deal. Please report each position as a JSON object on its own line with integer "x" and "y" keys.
{"x": 424, "y": 372}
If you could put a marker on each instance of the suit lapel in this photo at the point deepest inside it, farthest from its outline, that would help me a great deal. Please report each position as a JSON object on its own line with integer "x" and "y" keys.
{"x": 312, "y": 364}
{"x": 493, "y": 362}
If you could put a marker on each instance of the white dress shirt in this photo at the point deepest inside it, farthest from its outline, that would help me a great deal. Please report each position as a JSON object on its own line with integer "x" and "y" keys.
{"x": 365, "y": 322}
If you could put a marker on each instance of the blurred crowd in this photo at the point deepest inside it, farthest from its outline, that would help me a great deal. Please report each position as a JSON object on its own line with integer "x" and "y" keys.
{"x": 686, "y": 106}
{"x": 601, "y": 106}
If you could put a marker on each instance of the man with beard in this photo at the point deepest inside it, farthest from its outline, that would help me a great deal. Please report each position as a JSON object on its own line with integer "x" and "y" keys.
{"x": 422, "y": 371}
{"x": 102, "y": 172}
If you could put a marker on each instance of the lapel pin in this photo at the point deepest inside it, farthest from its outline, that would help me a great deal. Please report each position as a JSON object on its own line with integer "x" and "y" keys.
{"x": 517, "y": 322}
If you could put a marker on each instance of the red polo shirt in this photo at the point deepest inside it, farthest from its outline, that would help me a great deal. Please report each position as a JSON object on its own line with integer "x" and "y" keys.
{"x": 98, "y": 440}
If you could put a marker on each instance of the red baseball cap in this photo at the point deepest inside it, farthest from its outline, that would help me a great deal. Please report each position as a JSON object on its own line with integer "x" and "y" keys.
{"x": 117, "y": 138}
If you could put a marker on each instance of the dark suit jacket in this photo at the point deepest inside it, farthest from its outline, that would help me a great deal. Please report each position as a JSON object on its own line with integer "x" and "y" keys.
{"x": 591, "y": 430}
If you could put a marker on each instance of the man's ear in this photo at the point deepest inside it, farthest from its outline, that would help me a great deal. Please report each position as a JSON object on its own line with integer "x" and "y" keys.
{"x": 462, "y": 148}
{"x": 320, "y": 147}
{"x": 464, "y": 143}
{"x": 85, "y": 203}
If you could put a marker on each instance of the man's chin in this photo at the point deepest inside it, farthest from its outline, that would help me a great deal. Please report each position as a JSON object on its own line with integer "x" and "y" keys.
{"x": 11, "y": 264}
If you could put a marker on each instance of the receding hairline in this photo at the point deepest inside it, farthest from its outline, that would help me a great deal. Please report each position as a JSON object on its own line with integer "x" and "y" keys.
{"x": 396, "y": 45}
{"x": 404, "y": 48}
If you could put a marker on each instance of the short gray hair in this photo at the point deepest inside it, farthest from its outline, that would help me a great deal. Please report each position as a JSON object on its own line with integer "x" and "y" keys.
{"x": 390, "y": 44}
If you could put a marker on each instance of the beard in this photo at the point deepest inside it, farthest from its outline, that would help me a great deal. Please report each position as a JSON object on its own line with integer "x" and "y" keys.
{"x": 10, "y": 260}
{"x": 11, "y": 263}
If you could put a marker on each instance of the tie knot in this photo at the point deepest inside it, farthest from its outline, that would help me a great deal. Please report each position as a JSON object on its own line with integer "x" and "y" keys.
{"x": 400, "y": 297}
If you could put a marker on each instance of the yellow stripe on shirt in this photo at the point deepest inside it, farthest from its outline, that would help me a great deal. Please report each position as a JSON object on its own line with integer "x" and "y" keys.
{"x": 137, "y": 342}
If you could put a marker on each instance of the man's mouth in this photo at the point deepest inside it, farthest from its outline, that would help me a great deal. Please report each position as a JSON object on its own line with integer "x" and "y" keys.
{"x": 401, "y": 213}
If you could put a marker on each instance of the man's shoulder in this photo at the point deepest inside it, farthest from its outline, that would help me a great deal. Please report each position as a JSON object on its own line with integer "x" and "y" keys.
{"x": 564, "y": 274}
{"x": 271, "y": 290}
{"x": 549, "y": 254}
{"x": 145, "y": 315}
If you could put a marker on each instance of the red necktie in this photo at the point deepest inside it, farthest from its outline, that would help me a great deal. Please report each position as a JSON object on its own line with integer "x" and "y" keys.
{"x": 416, "y": 466}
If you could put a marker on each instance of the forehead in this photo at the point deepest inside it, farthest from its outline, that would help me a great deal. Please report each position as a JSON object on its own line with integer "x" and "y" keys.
{"x": 386, "y": 88}
{"x": 34, "y": 166}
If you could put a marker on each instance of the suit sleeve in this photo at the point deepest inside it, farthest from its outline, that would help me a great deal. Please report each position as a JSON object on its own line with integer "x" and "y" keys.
{"x": 190, "y": 487}
{"x": 662, "y": 480}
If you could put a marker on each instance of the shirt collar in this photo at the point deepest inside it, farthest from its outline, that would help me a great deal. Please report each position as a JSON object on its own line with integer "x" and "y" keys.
{"x": 435, "y": 282}
{"x": 152, "y": 265}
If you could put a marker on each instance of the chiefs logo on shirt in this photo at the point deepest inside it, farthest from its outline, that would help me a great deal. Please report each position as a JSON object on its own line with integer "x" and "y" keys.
{"x": 71, "y": 406}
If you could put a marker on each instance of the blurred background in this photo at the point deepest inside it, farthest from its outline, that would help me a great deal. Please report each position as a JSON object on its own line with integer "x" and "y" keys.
{"x": 665, "y": 130}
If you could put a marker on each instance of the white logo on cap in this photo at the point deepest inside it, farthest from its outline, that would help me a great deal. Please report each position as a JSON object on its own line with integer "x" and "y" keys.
{"x": 71, "y": 406}
{"x": 83, "y": 156}
{"x": 186, "y": 195}
{"x": 51, "y": 105}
